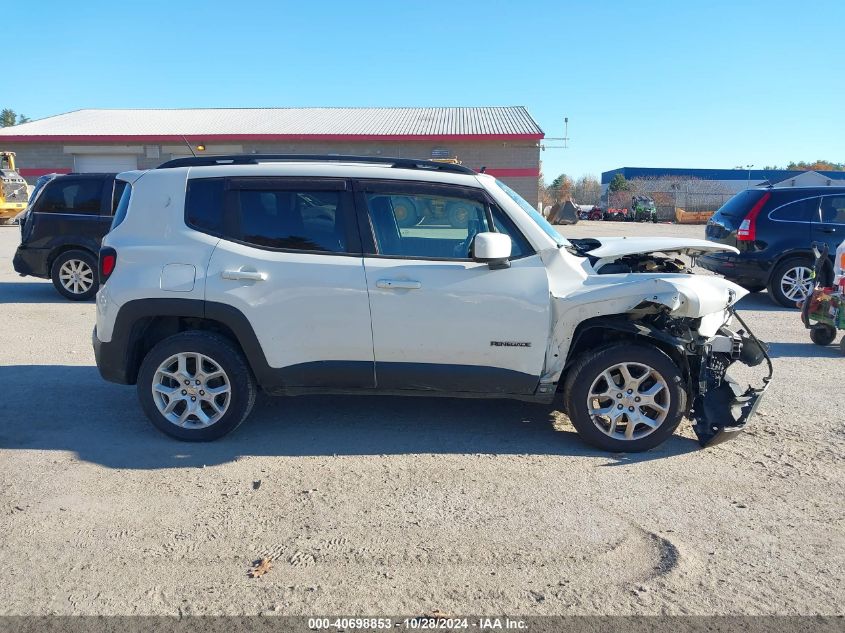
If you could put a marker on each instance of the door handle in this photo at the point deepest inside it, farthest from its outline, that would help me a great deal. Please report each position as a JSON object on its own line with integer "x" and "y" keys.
{"x": 827, "y": 230}
{"x": 245, "y": 275}
{"x": 398, "y": 284}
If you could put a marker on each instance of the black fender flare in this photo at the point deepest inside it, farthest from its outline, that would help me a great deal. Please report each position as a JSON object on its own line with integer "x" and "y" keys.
{"x": 119, "y": 359}
{"x": 675, "y": 346}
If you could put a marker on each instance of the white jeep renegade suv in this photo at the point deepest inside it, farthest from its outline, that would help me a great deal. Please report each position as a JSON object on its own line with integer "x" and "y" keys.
{"x": 327, "y": 274}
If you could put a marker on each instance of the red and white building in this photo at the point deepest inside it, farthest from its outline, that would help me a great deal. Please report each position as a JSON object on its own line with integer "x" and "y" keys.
{"x": 504, "y": 140}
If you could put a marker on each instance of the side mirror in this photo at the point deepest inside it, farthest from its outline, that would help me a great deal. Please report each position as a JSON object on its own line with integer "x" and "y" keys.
{"x": 493, "y": 248}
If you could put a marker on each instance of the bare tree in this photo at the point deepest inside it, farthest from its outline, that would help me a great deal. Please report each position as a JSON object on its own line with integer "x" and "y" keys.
{"x": 587, "y": 190}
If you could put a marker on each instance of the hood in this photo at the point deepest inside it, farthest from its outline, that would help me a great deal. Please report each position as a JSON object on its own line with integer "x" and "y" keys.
{"x": 685, "y": 295}
{"x": 604, "y": 247}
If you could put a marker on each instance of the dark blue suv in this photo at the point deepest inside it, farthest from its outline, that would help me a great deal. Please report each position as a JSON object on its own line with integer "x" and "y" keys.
{"x": 774, "y": 229}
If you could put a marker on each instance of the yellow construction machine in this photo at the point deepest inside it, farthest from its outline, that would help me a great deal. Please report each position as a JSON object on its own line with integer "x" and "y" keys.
{"x": 14, "y": 193}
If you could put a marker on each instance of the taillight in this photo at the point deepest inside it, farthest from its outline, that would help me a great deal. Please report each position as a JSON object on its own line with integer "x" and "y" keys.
{"x": 747, "y": 231}
{"x": 108, "y": 260}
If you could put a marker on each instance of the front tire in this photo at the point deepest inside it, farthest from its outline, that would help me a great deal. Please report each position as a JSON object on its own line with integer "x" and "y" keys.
{"x": 74, "y": 275}
{"x": 196, "y": 386}
{"x": 791, "y": 282}
{"x": 625, "y": 397}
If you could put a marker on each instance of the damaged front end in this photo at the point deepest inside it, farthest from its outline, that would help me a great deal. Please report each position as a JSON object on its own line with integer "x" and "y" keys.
{"x": 720, "y": 407}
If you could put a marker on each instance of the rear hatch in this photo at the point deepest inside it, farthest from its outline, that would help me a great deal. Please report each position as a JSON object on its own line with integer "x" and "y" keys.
{"x": 723, "y": 226}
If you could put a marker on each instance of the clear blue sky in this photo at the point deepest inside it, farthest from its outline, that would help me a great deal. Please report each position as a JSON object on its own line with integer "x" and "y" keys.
{"x": 680, "y": 83}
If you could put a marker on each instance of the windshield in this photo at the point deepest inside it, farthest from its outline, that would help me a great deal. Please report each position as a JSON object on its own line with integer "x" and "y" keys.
{"x": 535, "y": 215}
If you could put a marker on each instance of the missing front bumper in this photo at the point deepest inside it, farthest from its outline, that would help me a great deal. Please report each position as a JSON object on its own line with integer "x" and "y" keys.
{"x": 721, "y": 413}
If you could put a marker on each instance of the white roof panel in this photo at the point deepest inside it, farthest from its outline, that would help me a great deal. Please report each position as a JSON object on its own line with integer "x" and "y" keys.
{"x": 497, "y": 121}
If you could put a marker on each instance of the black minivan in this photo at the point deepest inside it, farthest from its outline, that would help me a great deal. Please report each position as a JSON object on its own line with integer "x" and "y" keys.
{"x": 62, "y": 229}
{"x": 774, "y": 230}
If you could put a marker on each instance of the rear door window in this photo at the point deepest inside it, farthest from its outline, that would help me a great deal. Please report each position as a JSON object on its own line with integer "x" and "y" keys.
{"x": 309, "y": 215}
{"x": 832, "y": 210}
{"x": 74, "y": 196}
{"x": 299, "y": 220}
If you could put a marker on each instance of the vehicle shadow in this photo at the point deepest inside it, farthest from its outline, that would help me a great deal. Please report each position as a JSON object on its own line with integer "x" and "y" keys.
{"x": 803, "y": 350}
{"x": 103, "y": 423}
{"x": 31, "y": 292}
{"x": 761, "y": 301}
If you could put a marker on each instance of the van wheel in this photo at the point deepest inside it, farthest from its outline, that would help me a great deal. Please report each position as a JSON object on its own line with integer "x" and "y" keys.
{"x": 74, "y": 275}
{"x": 196, "y": 386}
{"x": 625, "y": 398}
{"x": 791, "y": 282}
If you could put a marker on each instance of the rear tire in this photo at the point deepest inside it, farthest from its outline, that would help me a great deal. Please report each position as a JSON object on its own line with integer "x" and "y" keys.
{"x": 787, "y": 277}
{"x": 599, "y": 409}
{"x": 74, "y": 275}
{"x": 823, "y": 334}
{"x": 179, "y": 396}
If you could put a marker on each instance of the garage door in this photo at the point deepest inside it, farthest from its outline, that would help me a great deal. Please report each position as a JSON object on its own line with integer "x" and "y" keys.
{"x": 92, "y": 163}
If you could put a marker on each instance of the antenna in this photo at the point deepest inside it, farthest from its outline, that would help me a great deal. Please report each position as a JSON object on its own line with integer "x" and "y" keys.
{"x": 564, "y": 138}
{"x": 190, "y": 149}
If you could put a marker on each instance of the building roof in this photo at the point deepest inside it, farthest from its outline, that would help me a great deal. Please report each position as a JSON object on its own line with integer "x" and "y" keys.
{"x": 484, "y": 123}
{"x": 757, "y": 175}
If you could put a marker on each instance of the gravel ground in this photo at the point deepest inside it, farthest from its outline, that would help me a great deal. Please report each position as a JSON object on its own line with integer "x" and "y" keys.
{"x": 402, "y": 506}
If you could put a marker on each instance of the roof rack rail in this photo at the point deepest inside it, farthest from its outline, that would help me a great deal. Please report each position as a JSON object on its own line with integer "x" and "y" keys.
{"x": 254, "y": 159}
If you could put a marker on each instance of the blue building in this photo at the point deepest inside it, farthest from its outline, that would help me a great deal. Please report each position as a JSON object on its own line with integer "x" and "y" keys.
{"x": 730, "y": 180}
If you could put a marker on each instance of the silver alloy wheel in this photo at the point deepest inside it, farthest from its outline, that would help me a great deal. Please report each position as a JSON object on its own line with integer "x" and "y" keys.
{"x": 76, "y": 276}
{"x": 191, "y": 390}
{"x": 797, "y": 283}
{"x": 628, "y": 401}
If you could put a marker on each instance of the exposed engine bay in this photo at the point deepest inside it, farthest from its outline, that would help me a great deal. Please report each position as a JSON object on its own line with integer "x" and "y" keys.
{"x": 719, "y": 406}
{"x": 609, "y": 256}
{"x": 642, "y": 263}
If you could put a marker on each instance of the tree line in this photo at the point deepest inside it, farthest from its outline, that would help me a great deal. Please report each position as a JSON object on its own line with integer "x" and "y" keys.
{"x": 818, "y": 165}
{"x": 9, "y": 117}
{"x": 584, "y": 190}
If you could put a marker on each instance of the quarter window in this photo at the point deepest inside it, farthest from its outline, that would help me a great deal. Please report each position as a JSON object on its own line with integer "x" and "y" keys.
{"x": 204, "y": 204}
{"x": 119, "y": 186}
{"x": 798, "y": 211}
{"x": 72, "y": 196}
{"x": 122, "y": 205}
{"x": 434, "y": 226}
